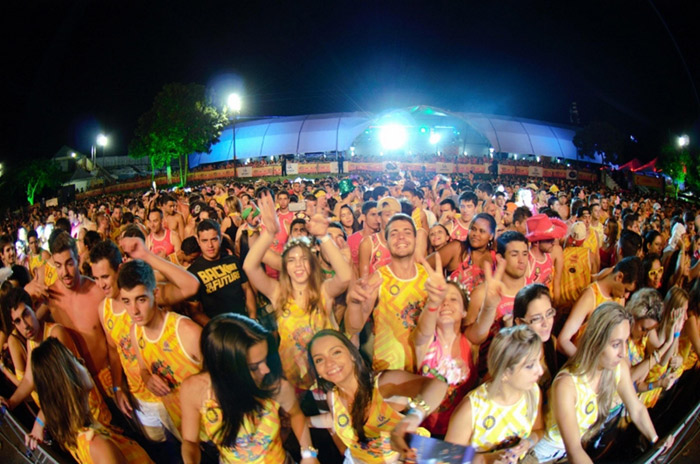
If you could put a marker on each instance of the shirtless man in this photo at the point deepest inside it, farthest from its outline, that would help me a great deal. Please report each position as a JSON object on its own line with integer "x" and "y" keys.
{"x": 73, "y": 301}
{"x": 173, "y": 219}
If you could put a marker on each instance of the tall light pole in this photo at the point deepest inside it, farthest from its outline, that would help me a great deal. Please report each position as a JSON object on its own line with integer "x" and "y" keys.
{"x": 234, "y": 104}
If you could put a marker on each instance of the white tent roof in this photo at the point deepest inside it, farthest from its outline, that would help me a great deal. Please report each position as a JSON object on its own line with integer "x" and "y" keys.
{"x": 319, "y": 133}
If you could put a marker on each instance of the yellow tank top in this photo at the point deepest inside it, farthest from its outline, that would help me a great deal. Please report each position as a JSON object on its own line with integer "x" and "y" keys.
{"x": 591, "y": 242}
{"x": 685, "y": 349}
{"x": 129, "y": 448}
{"x": 399, "y": 304}
{"x": 381, "y": 420}
{"x": 495, "y": 426}
{"x": 415, "y": 215}
{"x": 599, "y": 299}
{"x": 575, "y": 276}
{"x": 296, "y": 328}
{"x": 166, "y": 357}
{"x": 50, "y": 274}
{"x": 586, "y": 407}
{"x": 258, "y": 440}
{"x": 118, "y": 327}
{"x": 35, "y": 261}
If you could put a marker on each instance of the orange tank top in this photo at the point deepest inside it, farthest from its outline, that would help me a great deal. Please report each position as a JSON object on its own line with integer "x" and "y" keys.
{"x": 166, "y": 357}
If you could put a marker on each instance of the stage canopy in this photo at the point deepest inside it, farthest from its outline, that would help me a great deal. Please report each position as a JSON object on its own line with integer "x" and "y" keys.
{"x": 427, "y": 129}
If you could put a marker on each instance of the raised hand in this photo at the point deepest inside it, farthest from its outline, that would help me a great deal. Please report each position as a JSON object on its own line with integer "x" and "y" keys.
{"x": 435, "y": 285}
{"x": 362, "y": 291}
{"x": 494, "y": 288}
{"x": 134, "y": 247}
{"x": 318, "y": 225}
{"x": 266, "y": 205}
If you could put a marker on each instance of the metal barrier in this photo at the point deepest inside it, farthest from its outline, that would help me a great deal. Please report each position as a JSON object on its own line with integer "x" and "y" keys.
{"x": 12, "y": 435}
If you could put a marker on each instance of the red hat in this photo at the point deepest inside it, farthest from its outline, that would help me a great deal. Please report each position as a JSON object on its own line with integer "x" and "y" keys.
{"x": 542, "y": 227}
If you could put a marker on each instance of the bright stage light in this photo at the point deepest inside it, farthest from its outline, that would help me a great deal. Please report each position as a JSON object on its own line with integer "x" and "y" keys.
{"x": 392, "y": 137}
{"x": 683, "y": 141}
{"x": 434, "y": 138}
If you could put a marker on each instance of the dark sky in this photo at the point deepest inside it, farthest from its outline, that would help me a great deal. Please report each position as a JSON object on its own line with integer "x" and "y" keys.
{"x": 72, "y": 69}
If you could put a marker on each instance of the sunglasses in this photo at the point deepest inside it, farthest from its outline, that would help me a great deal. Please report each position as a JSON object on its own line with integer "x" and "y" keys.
{"x": 653, "y": 273}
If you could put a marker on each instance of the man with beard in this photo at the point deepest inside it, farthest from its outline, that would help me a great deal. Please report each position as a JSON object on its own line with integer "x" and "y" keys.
{"x": 395, "y": 295}
{"x": 73, "y": 302}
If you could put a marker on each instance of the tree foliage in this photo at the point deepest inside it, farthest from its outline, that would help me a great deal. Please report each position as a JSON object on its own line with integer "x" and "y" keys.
{"x": 681, "y": 166}
{"x": 603, "y": 138}
{"x": 38, "y": 175}
{"x": 181, "y": 121}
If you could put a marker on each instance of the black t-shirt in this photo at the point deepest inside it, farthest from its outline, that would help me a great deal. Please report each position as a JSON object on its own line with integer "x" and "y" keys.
{"x": 220, "y": 289}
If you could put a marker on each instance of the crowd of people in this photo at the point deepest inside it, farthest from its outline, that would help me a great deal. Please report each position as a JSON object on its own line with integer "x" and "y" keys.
{"x": 327, "y": 320}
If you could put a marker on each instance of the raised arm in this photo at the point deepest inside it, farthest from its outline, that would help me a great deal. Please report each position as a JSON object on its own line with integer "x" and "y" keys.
{"x": 181, "y": 283}
{"x": 576, "y": 318}
{"x": 361, "y": 299}
{"x": 300, "y": 426}
{"x": 436, "y": 287}
{"x": 335, "y": 286}
{"x": 485, "y": 298}
{"x": 252, "y": 265}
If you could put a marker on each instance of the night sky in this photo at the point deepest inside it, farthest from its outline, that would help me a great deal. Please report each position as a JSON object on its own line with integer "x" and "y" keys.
{"x": 73, "y": 69}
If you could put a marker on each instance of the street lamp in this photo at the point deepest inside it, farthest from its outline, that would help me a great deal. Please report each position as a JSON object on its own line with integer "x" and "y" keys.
{"x": 234, "y": 104}
{"x": 102, "y": 141}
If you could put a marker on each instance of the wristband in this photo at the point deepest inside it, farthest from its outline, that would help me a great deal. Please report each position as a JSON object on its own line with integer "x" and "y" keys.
{"x": 432, "y": 309}
{"x": 416, "y": 412}
{"x": 676, "y": 334}
{"x": 324, "y": 239}
{"x": 414, "y": 403}
{"x": 39, "y": 421}
{"x": 655, "y": 439}
{"x": 116, "y": 389}
{"x": 309, "y": 452}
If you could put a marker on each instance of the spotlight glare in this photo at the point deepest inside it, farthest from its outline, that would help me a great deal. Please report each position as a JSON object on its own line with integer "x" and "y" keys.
{"x": 392, "y": 137}
{"x": 683, "y": 141}
{"x": 434, "y": 138}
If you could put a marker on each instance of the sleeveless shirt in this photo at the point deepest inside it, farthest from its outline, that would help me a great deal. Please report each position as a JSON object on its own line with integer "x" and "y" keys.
{"x": 399, "y": 303}
{"x": 118, "y": 327}
{"x": 380, "y": 254}
{"x": 258, "y": 440}
{"x": 296, "y": 328}
{"x": 166, "y": 357}
{"x": 381, "y": 420}
{"x": 496, "y": 426}
{"x": 129, "y": 448}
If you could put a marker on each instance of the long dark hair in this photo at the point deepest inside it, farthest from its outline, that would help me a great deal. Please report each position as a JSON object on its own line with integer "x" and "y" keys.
{"x": 363, "y": 374}
{"x": 523, "y": 298}
{"x": 225, "y": 342}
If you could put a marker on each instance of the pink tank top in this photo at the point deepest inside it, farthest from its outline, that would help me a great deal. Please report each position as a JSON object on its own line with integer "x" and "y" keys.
{"x": 164, "y": 245}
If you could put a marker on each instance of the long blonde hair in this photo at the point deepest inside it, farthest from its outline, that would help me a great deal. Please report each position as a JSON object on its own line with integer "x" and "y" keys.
{"x": 585, "y": 361}
{"x": 508, "y": 348}
{"x": 314, "y": 284}
{"x": 676, "y": 297}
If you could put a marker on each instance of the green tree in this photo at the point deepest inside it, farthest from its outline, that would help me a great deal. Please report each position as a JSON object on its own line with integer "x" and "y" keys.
{"x": 38, "y": 175}
{"x": 681, "y": 166}
{"x": 181, "y": 121}
{"x": 600, "y": 137}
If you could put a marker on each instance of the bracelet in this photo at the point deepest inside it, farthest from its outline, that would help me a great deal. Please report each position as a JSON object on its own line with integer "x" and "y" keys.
{"x": 656, "y": 357}
{"x": 650, "y": 386}
{"x": 432, "y": 309}
{"x": 309, "y": 452}
{"x": 324, "y": 239}
{"x": 415, "y": 403}
{"x": 116, "y": 389}
{"x": 654, "y": 439}
{"x": 676, "y": 334}
{"x": 39, "y": 421}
